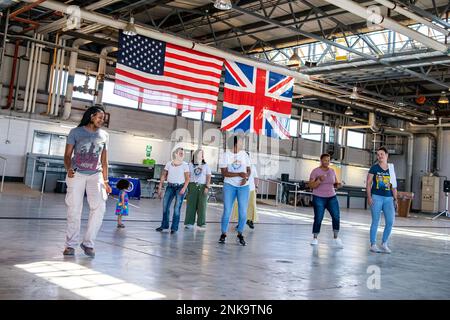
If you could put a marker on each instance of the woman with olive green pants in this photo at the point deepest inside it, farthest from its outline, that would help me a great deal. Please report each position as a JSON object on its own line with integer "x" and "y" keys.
{"x": 197, "y": 191}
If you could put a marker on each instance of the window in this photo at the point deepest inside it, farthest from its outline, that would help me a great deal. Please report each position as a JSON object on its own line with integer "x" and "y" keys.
{"x": 49, "y": 143}
{"x": 293, "y": 127}
{"x": 355, "y": 139}
{"x": 110, "y": 97}
{"x": 197, "y": 115}
{"x": 311, "y": 131}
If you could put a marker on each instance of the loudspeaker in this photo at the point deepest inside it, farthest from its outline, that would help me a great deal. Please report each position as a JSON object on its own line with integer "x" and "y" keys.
{"x": 447, "y": 186}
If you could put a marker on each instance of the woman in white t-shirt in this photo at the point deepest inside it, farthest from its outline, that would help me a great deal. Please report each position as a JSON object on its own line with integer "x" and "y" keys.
{"x": 177, "y": 174}
{"x": 200, "y": 179}
{"x": 235, "y": 167}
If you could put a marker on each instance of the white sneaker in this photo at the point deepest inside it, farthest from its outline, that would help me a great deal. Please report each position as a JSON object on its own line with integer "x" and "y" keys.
{"x": 314, "y": 242}
{"x": 385, "y": 248}
{"x": 374, "y": 248}
{"x": 202, "y": 228}
{"x": 337, "y": 243}
{"x": 189, "y": 226}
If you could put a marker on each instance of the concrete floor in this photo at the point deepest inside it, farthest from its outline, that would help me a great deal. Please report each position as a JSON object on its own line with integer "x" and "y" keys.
{"x": 278, "y": 262}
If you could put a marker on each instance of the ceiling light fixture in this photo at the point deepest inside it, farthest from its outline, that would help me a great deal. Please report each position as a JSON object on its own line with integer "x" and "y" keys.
{"x": 223, "y": 4}
{"x": 432, "y": 116}
{"x": 443, "y": 98}
{"x": 294, "y": 60}
{"x": 354, "y": 95}
{"x": 130, "y": 29}
{"x": 349, "y": 111}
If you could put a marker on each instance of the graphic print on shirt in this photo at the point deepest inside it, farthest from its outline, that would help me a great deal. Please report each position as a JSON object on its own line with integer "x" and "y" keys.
{"x": 86, "y": 155}
{"x": 198, "y": 170}
{"x": 382, "y": 182}
{"x": 236, "y": 165}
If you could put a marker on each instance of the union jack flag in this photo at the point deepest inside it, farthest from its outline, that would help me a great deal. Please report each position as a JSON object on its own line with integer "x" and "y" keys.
{"x": 256, "y": 100}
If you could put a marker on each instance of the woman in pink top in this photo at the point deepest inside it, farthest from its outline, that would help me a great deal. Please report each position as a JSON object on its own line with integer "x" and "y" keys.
{"x": 323, "y": 182}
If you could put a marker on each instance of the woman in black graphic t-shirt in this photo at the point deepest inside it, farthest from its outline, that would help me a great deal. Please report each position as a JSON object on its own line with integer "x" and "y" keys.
{"x": 381, "y": 196}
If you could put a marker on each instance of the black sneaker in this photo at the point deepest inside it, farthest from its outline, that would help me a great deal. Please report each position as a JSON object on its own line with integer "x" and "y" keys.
{"x": 69, "y": 251}
{"x": 250, "y": 224}
{"x": 241, "y": 239}
{"x": 173, "y": 231}
{"x": 159, "y": 229}
{"x": 88, "y": 251}
{"x": 222, "y": 238}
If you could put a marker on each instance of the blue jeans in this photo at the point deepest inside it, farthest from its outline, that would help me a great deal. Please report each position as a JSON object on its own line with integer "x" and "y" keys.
{"x": 172, "y": 191}
{"x": 387, "y": 205}
{"x": 230, "y": 193}
{"x": 322, "y": 203}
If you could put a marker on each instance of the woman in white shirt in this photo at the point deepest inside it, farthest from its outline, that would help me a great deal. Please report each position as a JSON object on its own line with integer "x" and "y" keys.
{"x": 200, "y": 179}
{"x": 235, "y": 167}
{"x": 177, "y": 174}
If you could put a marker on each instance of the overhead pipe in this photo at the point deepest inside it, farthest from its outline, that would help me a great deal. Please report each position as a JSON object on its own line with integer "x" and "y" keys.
{"x": 55, "y": 79}
{"x": 52, "y": 75}
{"x": 102, "y": 71}
{"x": 331, "y": 97}
{"x": 33, "y": 81}
{"x": 28, "y": 81}
{"x": 60, "y": 78}
{"x": 388, "y": 23}
{"x": 34, "y": 24}
{"x": 13, "y": 76}
{"x": 411, "y": 15}
{"x": 3, "y": 49}
{"x": 38, "y": 73}
{"x": 118, "y": 24}
{"x": 341, "y": 92}
{"x": 53, "y": 45}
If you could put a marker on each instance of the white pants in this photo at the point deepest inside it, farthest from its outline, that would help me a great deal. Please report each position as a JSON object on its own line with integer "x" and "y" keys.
{"x": 96, "y": 197}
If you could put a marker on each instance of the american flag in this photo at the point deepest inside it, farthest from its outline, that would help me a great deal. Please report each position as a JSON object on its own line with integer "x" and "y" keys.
{"x": 256, "y": 100}
{"x": 162, "y": 74}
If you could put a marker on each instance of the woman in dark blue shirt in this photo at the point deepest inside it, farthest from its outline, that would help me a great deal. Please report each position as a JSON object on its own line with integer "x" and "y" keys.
{"x": 381, "y": 196}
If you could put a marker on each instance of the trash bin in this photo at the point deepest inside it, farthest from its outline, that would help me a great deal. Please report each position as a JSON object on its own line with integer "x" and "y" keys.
{"x": 61, "y": 186}
{"x": 404, "y": 203}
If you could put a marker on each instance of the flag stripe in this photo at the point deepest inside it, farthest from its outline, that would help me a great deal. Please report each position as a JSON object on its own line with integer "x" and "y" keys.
{"x": 281, "y": 84}
{"x": 163, "y": 98}
{"x": 193, "y": 74}
{"x": 239, "y": 119}
{"x": 192, "y": 58}
{"x": 192, "y": 69}
{"x": 190, "y": 51}
{"x": 149, "y": 90}
{"x": 235, "y": 76}
{"x": 174, "y": 83}
{"x": 183, "y": 64}
{"x": 213, "y": 84}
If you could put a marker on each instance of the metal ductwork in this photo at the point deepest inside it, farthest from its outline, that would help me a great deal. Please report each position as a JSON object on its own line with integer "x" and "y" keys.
{"x": 71, "y": 77}
{"x": 102, "y": 71}
{"x": 333, "y": 97}
{"x": 388, "y": 23}
{"x": 398, "y": 8}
